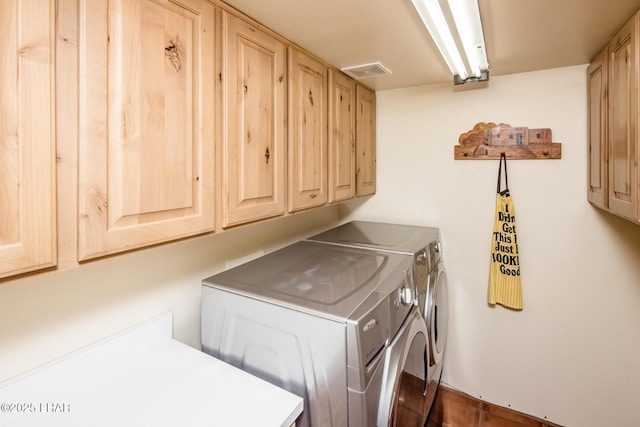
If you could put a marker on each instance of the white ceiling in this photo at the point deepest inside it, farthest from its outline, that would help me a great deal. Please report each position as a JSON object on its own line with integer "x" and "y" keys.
{"x": 520, "y": 35}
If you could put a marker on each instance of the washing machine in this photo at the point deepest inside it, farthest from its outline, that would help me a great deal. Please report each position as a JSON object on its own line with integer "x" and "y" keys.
{"x": 338, "y": 326}
{"x": 424, "y": 247}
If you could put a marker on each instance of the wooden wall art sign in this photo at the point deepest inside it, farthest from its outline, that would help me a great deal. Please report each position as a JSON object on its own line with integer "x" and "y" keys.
{"x": 487, "y": 140}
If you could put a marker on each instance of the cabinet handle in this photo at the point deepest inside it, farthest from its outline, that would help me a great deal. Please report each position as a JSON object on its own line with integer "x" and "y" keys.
{"x": 267, "y": 155}
{"x": 311, "y": 98}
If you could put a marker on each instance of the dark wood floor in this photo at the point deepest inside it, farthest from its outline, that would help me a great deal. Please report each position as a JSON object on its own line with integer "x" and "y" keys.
{"x": 411, "y": 402}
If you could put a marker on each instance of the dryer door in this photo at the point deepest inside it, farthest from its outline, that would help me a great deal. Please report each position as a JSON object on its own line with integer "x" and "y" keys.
{"x": 437, "y": 317}
{"x": 402, "y": 399}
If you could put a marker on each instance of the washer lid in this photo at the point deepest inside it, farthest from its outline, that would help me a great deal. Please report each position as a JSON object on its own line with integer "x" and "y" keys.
{"x": 400, "y": 238}
{"x": 330, "y": 281}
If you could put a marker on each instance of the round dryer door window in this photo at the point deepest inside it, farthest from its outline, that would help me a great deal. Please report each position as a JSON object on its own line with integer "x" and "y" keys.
{"x": 441, "y": 316}
{"x": 437, "y": 317}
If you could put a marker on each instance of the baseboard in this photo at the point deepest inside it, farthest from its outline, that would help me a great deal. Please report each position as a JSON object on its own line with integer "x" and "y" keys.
{"x": 452, "y": 408}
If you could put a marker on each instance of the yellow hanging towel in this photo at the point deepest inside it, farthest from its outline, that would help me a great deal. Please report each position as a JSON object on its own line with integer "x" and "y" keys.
{"x": 505, "y": 287}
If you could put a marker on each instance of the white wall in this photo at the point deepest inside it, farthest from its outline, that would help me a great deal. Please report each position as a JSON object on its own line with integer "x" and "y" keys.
{"x": 47, "y": 315}
{"x": 572, "y": 355}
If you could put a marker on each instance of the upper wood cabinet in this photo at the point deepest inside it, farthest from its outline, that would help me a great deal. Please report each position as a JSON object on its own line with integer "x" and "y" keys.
{"x": 254, "y": 119}
{"x": 27, "y": 143}
{"x": 146, "y": 132}
{"x": 613, "y": 96}
{"x": 623, "y": 120}
{"x": 307, "y": 163}
{"x": 597, "y": 106}
{"x": 175, "y": 118}
{"x": 342, "y": 137}
{"x": 365, "y": 141}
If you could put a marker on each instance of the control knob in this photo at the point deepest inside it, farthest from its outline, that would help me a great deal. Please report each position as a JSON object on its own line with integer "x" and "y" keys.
{"x": 406, "y": 295}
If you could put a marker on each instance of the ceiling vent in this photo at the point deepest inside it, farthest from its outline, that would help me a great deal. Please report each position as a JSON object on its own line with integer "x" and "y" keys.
{"x": 364, "y": 71}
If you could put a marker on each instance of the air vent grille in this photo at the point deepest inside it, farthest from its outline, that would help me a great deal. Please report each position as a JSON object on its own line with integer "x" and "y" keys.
{"x": 364, "y": 71}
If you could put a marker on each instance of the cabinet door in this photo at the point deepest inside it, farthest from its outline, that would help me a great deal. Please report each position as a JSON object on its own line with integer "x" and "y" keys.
{"x": 597, "y": 108}
{"x": 27, "y": 146}
{"x": 146, "y": 158}
{"x": 253, "y": 158}
{"x": 623, "y": 120}
{"x": 307, "y": 161}
{"x": 342, "y": 137}
{"x": 365, "y": 141}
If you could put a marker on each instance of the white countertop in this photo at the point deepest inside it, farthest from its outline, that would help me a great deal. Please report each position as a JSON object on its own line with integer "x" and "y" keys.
{"x": 143, "y": 377}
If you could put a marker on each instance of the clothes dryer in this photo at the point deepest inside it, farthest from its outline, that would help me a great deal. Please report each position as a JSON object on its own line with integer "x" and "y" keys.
{"x": 335, "y": 325}
{"x": 423, "y": 245}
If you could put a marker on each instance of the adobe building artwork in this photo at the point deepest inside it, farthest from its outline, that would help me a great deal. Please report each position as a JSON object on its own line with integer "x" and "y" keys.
{"x": 488, "y": 140}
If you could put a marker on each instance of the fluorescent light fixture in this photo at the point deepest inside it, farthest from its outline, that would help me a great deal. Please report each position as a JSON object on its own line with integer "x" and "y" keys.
{"x": 455, "y": 27}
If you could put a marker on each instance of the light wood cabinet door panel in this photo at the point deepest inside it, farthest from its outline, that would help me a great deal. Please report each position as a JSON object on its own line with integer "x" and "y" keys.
{"x": 27, "y": 143}
{"x": 307, "y": 162}
{"x": 342, "y": 134}
{"x": 597, "y": 108}
{"x": 146, "y": 158}
{"x": 365, "y": 141}
{"x": 623, "y": 120}
{"x": 253, "y": 155}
